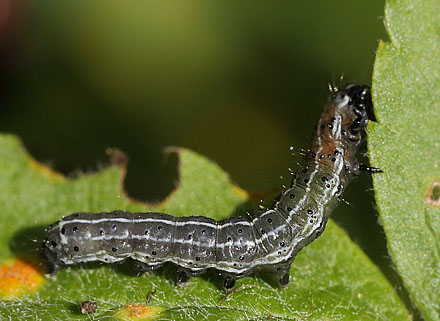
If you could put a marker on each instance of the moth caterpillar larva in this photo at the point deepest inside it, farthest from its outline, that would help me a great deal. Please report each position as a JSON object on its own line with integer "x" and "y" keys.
{"x": 268, "y": 240}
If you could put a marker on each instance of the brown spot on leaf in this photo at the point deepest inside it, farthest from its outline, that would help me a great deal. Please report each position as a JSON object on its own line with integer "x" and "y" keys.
{"x": 139, "y": 312}
{"x": 433, "y": 197}
{"x": 18, "y": 277}
{"x": 117, "y": 157}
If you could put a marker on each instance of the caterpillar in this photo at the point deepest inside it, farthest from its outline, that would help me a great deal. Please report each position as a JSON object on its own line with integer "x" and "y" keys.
{"x": 267, "y": 240}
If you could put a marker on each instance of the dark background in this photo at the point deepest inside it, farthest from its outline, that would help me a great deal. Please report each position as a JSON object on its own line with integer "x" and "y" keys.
{"x": 236, "y": 81}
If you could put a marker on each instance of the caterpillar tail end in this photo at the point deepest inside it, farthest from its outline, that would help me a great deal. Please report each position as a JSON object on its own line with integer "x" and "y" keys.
{"x": 49, "y": 261}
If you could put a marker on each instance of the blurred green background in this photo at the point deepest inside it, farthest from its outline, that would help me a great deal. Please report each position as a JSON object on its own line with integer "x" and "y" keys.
{"x": 238, "y": 82}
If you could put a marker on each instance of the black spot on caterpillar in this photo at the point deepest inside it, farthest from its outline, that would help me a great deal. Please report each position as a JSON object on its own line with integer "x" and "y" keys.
{"x": 268, "y": 240}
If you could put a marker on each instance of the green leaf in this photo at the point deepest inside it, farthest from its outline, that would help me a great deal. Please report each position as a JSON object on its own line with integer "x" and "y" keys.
{"x": 406, "y": 145}
{"x": 332, "y": 279}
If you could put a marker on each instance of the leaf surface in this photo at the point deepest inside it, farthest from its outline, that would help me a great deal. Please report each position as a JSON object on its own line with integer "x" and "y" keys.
{"x": 332, "y": 279}
{"x": 406, "y": 145}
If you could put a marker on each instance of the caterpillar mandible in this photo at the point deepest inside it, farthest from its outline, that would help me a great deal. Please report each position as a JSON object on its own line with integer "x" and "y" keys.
{"x": 268, "y": 240}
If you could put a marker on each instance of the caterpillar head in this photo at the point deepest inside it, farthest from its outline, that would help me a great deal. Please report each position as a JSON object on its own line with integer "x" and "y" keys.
{"x": 360, "y": 99}
{"x": 353, "y": 103}
{"x": 355, "y": 98}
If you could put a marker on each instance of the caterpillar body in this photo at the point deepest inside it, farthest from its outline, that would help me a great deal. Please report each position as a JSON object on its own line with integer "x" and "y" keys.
{"x": 268, "y": 240}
